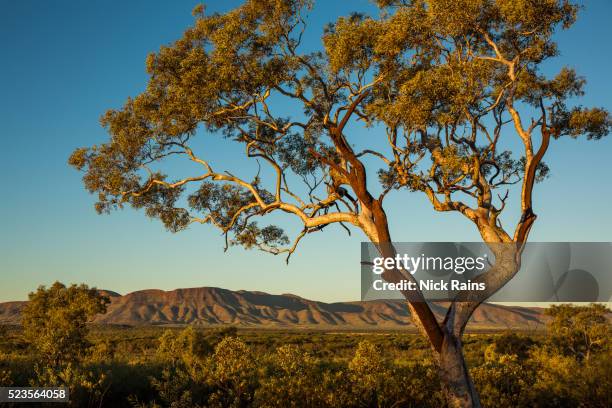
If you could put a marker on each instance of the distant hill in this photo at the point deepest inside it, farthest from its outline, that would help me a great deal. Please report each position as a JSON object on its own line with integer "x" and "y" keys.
{"x": 214, "y": 306}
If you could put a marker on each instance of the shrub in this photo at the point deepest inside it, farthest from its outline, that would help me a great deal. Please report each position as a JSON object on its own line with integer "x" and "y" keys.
{"x": 512, "y": 344}
{"x": 579, "y": 330}
{"x": 86, "y": 386}
{"x": 503, "y": 381}
{"x": 188, "y": 346}
{"x": 54, "y": 321}
{"x": 368, "y": 372}
{"x": 231, "y": 372}
{"x": 293, "y": 380}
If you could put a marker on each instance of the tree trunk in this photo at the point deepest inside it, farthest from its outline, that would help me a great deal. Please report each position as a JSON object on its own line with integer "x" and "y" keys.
{"x": 456, "y": 381}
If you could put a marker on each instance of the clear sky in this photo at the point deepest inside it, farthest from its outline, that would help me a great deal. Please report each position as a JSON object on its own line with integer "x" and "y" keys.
{"x": 63, "y": 63}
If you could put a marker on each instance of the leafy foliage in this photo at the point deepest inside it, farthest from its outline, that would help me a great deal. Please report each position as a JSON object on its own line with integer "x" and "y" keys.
{"x": 444, "y": 78}
{"x": 190, "y": 367}
{"x": 55, "y": 325}
{"x": 188, "y": 346}
{"x": 55, "y": 318}
{"x": 579, "y": 330}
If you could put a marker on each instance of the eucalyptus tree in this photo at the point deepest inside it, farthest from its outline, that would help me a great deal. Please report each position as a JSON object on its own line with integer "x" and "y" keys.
{"x": 442, "y": 88}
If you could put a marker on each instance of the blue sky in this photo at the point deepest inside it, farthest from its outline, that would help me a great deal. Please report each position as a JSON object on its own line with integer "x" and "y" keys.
{"x": 62, "y": 64}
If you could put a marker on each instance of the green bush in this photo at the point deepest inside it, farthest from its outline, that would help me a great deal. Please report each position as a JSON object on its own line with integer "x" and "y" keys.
{"x": 231, "y": 373}
{"x": 293, "y": 379}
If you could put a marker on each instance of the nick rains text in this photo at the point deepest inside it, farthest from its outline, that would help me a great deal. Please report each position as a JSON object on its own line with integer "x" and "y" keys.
{"x": 429, "y": 284}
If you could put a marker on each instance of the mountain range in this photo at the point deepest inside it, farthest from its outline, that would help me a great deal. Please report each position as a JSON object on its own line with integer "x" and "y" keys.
{"x": 208, "y": 306}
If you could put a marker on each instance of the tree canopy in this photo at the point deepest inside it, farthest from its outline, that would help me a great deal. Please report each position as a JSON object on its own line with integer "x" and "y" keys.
{"x": 443, "y": 80}
{"x": 579, "y": 330}
{"x": 55, "y": 318}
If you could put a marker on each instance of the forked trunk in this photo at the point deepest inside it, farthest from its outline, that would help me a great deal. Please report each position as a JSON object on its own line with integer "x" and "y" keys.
{"x": 456, "y": 381}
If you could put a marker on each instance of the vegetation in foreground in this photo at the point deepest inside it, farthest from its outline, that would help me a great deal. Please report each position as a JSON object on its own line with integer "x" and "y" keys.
{"x": 569, "y": 365}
